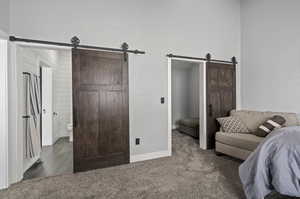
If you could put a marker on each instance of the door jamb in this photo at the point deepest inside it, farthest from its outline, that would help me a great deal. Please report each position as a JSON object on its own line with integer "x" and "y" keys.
{"x": 41, "y": 65}
{"x": 4, "y": 168}
{"x": 202, "y": 111}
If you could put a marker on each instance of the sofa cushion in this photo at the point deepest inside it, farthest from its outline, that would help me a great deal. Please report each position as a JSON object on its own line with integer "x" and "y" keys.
{"x": 252, "y": 119}
{"x": 232, "y": 125}
{"x": 243, "y": 141}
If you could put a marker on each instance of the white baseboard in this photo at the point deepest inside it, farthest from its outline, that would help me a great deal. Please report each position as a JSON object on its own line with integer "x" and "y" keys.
{"x": 149, "y": 156}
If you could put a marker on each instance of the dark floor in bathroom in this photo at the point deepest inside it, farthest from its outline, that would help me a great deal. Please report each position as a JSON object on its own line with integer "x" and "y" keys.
{"x": 55, "y": 160}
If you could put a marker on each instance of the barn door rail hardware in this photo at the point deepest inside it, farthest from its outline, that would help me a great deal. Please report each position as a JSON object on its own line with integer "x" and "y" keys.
{"x": 207, "y": 58}
{"x": 75, "y": 43}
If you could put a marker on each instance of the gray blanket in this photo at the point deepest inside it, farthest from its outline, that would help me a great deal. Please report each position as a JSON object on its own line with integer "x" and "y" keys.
{"x": 274, "y": 165}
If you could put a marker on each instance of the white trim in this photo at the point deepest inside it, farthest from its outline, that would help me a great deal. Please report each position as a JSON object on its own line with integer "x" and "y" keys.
{"x": 169, "y": 105}
{"x": 3, "y": 114}
{"x": 203, "y": 123}
{"x": 202, "y": 107}
{"x": 149, "y": 156}
{"x": 188, "y": 60}
{"x": 15, "y": 122}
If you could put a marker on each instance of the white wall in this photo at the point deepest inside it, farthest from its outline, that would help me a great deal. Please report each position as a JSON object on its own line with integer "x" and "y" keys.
{"x": 4, "y": 31}
{"x": 3, "y": 114}
{"x": 4, "y": 16}
{"x": 270, "y": 55}
{"x": 192, "y": 27}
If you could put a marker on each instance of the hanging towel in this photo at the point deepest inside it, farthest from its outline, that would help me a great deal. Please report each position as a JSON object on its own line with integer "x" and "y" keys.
{"x": 32, "y": 111}
{"x": 37, "y": 93}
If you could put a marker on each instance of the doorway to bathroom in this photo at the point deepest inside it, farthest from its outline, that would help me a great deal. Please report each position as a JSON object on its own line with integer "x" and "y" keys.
{"x": 186, "y": 100}
{"x": 99, "y": 114}
{"x": 45, "y": 100}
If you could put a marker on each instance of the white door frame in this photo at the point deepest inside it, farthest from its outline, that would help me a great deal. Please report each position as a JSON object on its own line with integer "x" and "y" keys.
{"x": 202, "y": 104}
{"x": 3, "y": 111}
{"x": 47, "y": 105}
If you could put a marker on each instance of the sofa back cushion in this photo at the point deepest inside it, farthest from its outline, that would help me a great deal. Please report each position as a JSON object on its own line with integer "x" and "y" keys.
{"x": 252, "y": 119}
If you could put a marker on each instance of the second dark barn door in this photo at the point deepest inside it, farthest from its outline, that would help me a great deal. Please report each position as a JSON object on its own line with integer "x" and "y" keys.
{"x": 100, "y": 109}
{"x": 220, "y": 97}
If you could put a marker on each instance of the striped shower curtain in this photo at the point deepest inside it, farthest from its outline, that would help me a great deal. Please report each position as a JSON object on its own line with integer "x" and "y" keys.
{"x": 32, "y": 116}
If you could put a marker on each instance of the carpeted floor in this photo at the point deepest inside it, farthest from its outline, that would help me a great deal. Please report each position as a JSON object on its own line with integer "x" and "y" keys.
{"x": 189, "y": 174}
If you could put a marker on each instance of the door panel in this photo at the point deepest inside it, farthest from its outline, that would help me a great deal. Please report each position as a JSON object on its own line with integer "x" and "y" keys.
{"x": 221, "y": 96}
{"x": 100, "y": 100}
{"x": 227, "y": 102}
{"x": 112, "y": 121}
{"x": 47, "y": 107}
{"x": 88, "y": 113}
{"x": 226, "y": 78}
{"x": 100, "y": 70}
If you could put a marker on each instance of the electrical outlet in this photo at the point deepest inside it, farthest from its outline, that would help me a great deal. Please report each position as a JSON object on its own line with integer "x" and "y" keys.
{"x": 137, "y": 141}
{"x": 162, "y": 100}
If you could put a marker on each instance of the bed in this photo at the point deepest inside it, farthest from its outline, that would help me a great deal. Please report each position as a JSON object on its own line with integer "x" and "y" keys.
{"x": 274, "y": 165}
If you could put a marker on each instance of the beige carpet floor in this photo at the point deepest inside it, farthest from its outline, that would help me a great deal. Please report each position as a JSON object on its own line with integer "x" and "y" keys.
{"x": 189, "y": 174}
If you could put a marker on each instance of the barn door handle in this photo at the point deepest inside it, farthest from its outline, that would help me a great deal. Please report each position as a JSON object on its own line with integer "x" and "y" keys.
{"x": 210, "y": 110}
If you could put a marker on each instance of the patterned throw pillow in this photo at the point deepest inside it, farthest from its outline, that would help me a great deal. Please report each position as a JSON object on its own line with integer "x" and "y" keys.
{"x": 232, "y": 125}
{"x": 268, "y": 126}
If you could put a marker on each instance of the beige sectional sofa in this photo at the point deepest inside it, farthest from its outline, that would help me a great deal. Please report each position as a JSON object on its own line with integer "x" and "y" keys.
{"x": 240, "y": 145}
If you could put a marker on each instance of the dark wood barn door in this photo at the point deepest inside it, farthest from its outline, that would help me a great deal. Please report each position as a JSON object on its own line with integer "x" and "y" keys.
{"x": 220, "y": 97}
{"x": 100, "y": 109}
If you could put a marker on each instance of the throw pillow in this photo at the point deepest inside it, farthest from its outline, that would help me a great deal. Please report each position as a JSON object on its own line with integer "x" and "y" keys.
{"x": 268, "y": 126}
{"x": 232, "y": 125}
